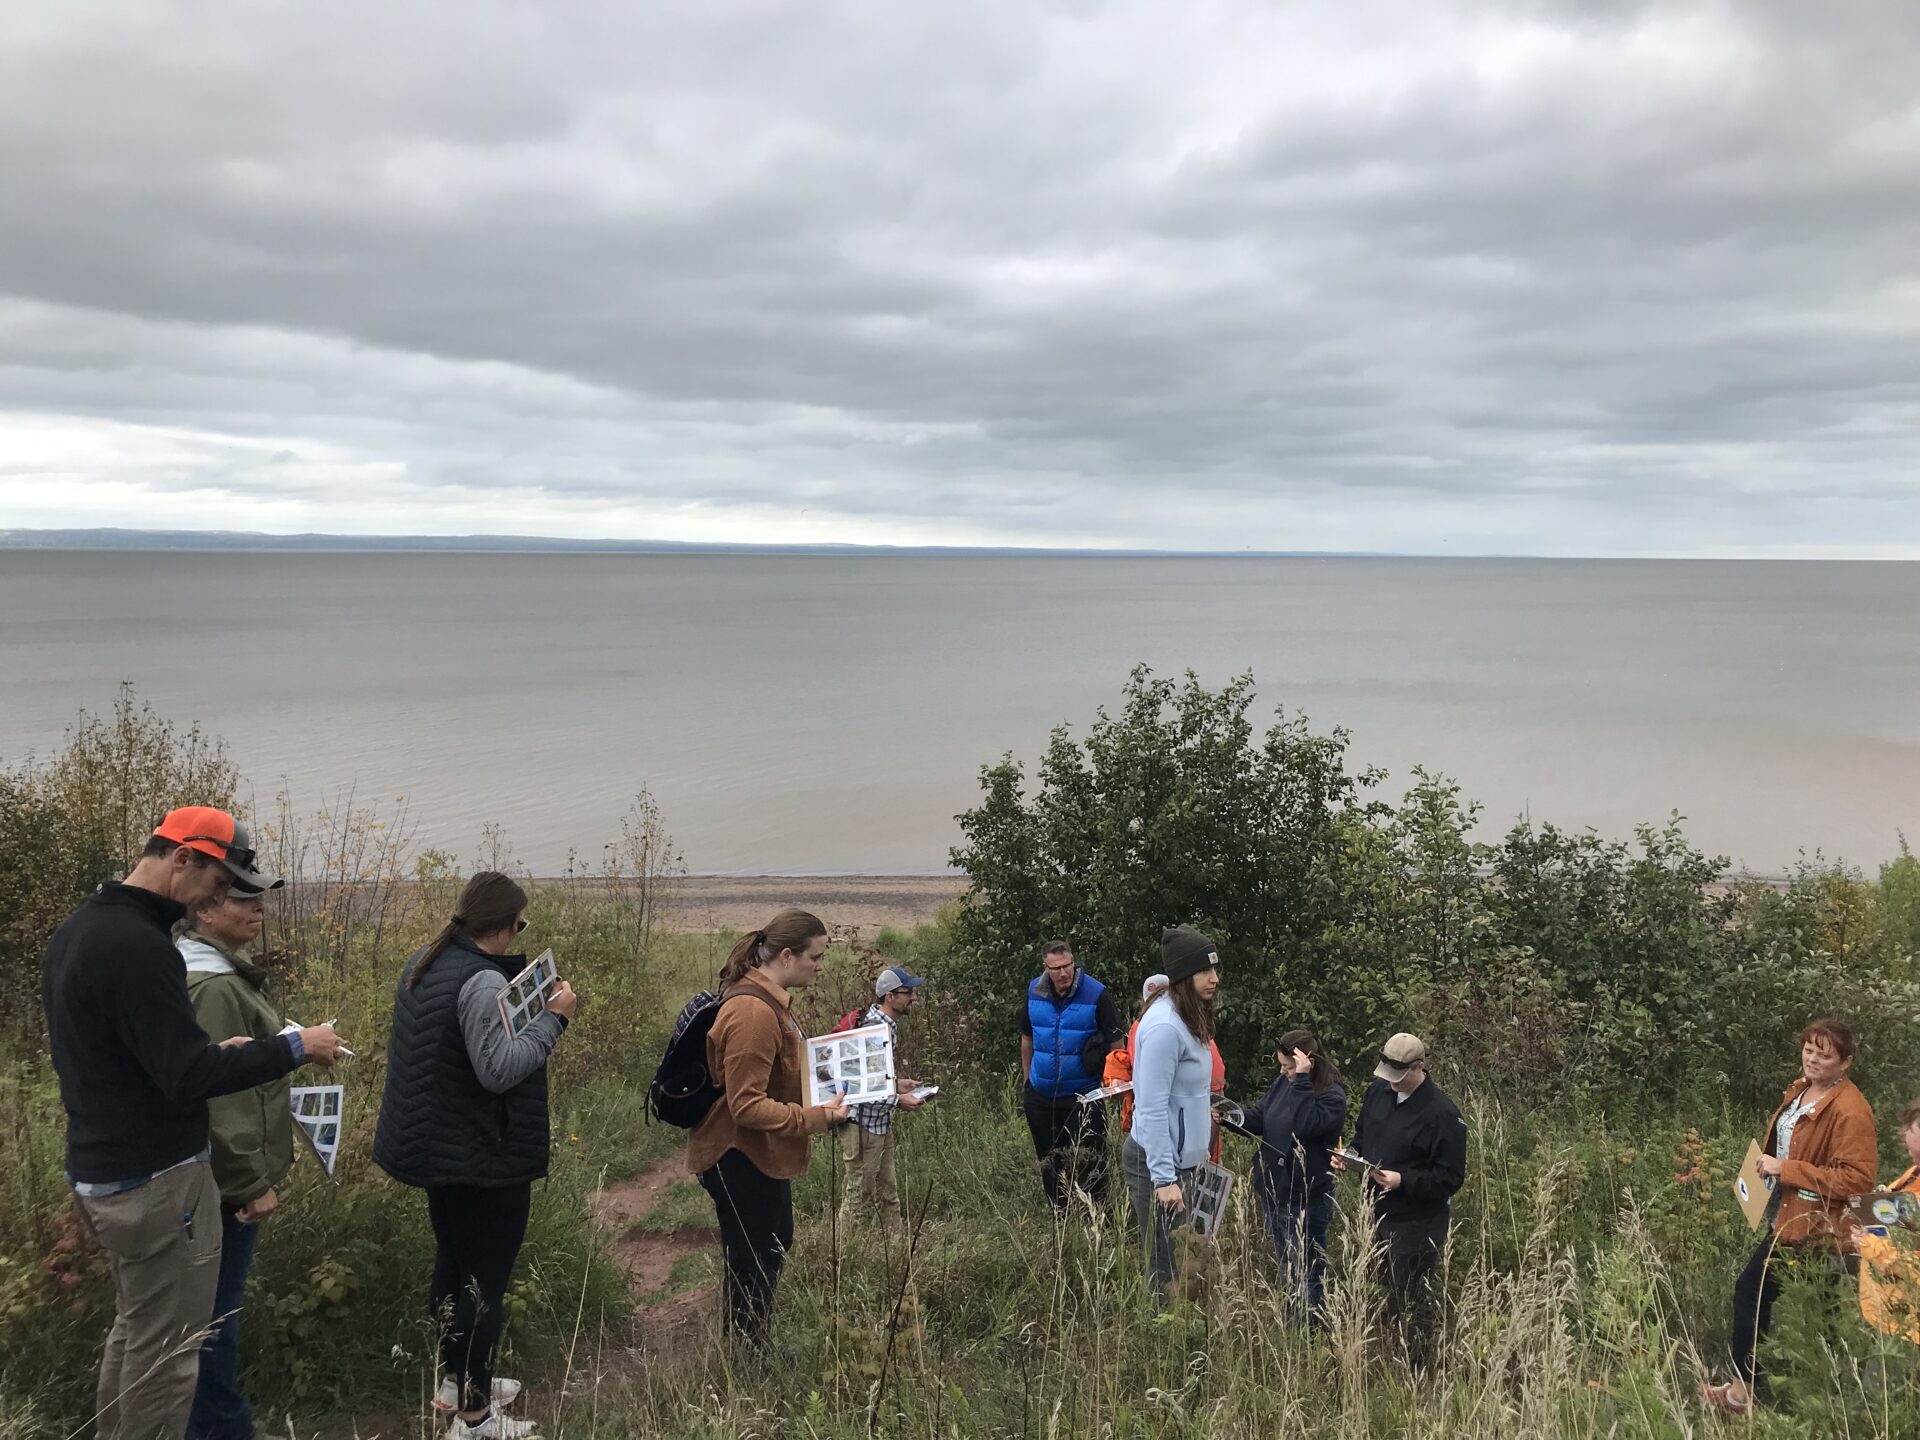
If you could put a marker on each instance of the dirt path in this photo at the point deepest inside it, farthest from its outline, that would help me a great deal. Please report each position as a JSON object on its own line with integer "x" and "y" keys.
{"x": 649, "y": 1255}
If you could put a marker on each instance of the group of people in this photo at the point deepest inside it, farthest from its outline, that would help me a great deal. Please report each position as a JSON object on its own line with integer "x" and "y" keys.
{"x": 1409, "y": 1139}
{"x": 1408, "y": 1142}
{"x": 178, "y": 1142}
{"x": 174, "y": 1072}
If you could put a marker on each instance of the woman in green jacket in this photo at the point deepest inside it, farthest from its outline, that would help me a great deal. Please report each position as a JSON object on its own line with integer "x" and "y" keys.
{"x": 252, "y": 1135}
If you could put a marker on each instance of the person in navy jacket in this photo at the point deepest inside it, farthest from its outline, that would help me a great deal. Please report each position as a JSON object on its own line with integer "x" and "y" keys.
{"x": 1067, "y": 1026}
{"x": 1299, "y": 1121}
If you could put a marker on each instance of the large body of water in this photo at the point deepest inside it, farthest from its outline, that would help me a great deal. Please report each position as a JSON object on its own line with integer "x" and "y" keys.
{"x": 817, "y": 715}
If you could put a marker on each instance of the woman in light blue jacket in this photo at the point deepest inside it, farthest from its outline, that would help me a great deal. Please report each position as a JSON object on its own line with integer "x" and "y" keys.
{"x": 1172, "y": 1110}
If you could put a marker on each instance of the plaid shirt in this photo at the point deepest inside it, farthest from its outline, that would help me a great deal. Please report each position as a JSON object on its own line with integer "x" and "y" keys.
{"x": 876, "y": 1116}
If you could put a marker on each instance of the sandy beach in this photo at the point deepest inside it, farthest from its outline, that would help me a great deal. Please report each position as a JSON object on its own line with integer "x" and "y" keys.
{"x": 850, "y": 904}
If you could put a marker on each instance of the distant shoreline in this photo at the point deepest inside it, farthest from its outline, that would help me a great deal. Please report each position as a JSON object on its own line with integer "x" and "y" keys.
{"x": 249, "y": 542}
{"x": 850, "y": 904}
{"x": 859, "y": 905}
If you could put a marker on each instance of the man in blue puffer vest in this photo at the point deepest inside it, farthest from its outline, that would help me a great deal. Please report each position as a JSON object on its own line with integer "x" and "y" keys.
{"x": 1068, "y": 1025}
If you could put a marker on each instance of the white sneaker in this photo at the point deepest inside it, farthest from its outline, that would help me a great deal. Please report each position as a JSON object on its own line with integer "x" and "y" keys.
{"x": 495, "y": 1427}
{"x": 505, "y": 1392}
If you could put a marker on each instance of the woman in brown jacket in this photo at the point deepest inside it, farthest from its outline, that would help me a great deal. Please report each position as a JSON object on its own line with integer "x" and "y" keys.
{"x": 1820, "y": 1151}
{"x": 758, "y": 1137}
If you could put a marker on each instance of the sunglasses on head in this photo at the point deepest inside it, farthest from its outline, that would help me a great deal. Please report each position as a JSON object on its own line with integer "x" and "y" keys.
{"x": 239, "y": 854}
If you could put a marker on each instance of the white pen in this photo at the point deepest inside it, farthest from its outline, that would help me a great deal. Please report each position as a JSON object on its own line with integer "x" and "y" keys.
{"x": 293, "y": 1024}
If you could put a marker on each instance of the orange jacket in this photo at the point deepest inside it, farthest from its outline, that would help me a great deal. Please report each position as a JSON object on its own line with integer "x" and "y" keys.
{"x": 1119, "y": 1069}
{"x": 1833, "y": 1158}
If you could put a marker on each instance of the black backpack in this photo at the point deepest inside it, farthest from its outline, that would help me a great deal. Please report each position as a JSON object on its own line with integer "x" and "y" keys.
{"x": 682, "y": 1091}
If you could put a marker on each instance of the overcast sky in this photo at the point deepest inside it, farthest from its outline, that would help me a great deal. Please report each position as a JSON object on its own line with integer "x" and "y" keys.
{"x": 1448, "y": 277}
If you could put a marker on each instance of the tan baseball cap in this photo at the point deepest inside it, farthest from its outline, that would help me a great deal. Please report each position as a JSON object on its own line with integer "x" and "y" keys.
{"x": 1399, "y": 1055}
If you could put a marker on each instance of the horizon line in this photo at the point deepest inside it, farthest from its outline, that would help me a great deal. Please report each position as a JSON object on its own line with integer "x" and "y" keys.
{"x": 124, "y": 538}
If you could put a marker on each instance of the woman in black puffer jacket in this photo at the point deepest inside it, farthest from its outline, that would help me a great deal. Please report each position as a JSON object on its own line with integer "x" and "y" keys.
{"x": 1299, "y": 1121}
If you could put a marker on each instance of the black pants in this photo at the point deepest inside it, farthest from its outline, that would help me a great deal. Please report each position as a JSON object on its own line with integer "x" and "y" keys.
{"x": 1753, "y": 1296}
{"x": 755, "y": 1212}
{"x": 1070, "y": 1142}
{"x": 1409, "y": 1257}
{"x": 477, "y": 1232}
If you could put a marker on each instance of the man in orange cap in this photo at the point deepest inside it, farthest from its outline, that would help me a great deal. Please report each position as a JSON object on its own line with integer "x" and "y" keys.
{"x": 136, "y": 1071}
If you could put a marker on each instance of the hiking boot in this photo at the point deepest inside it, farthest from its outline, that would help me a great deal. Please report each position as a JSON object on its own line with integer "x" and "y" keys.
{"x": 447, "y": 1399}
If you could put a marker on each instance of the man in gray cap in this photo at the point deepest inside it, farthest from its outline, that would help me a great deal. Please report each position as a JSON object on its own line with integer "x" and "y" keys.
{"x": 1415, "y": 1145}
{"x": 867, "y": 1141}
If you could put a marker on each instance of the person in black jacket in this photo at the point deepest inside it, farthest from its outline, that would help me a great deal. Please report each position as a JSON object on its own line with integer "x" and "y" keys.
{"x": 1299, "y": 1121}
{"x": 1415, "y": 1145}
{"x": 136, "y": 1072}
{"x": 464, "y": 1117}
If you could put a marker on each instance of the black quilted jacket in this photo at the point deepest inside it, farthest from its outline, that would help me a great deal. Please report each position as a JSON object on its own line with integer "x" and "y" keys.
{"x": 438, "y": 1124}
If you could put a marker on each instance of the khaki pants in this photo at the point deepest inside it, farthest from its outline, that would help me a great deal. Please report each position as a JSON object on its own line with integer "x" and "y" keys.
{"x": 870, "y": 1188}
{"x": 163, "y": 1241}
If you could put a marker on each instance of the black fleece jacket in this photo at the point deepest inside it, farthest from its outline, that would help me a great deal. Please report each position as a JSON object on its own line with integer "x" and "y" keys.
{"x": 135, "y": 1067}
{"x": 1298, "y": 1130}
{"x": 1424, "y": 1139}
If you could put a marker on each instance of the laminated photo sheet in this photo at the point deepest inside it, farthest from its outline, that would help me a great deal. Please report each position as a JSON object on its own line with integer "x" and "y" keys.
{"x": 1207, "y": 1193}
{"x": 319, "y": 1111}
{"x": 855, "y": 1063}
{"x": 525, "y": 998}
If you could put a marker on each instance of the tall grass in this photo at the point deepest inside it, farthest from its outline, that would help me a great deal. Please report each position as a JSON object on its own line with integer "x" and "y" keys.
{"x": 1574, "y": 1308}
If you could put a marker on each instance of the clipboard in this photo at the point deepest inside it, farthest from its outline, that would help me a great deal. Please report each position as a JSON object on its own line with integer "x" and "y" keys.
{"x": 1753, "y": 1190}
{"x": 1879, "y": 1209}
{"x": 1354, "y": 1160}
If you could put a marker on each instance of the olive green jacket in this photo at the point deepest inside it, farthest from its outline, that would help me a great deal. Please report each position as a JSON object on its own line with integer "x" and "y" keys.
{"x": 252, "y": 1131}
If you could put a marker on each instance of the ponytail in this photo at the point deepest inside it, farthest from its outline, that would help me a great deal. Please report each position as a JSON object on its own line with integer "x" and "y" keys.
{"x": 789, "y": 930}
{"x": 489, "y": 903}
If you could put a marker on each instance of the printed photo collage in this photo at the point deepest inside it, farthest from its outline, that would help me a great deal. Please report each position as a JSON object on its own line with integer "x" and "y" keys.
{"x": 1207, "y": 1193}
{"x": 318, "y": 1111}
{"x": 854, "y": 1063}
{"x": 525, "y": 998}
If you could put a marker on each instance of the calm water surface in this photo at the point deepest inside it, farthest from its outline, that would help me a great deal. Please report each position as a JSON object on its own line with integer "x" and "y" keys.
{"x": 831, "y": 715}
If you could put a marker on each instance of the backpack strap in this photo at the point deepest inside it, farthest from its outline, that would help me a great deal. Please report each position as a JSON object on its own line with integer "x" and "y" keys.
{"x": 779, "y": 1015}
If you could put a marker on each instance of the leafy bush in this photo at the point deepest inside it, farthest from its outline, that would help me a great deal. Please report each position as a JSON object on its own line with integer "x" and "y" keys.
{"x": 1173, "y": 812}
{"x": 1572, "y": 968}
{"x": 119, "y": 773}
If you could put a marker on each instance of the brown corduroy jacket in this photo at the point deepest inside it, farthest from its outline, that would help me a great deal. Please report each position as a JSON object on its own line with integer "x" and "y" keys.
{"x": 758, "y": 1055}
{"x": 1834, "y": 1156}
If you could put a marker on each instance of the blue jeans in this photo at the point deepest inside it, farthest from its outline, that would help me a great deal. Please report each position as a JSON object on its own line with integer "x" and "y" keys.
{"x": 1297, "y": 1230}
{"x": 220, "y": 1411}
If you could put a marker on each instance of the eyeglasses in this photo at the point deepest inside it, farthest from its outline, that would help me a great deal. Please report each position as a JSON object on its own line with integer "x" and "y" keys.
{"x": 239, "y": 854}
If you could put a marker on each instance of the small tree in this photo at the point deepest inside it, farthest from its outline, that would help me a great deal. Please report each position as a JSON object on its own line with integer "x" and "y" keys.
{"x": 119, "y": 773}
{"x": 1174, "y": 811}
{"x": 638, "y": 867}
{"x": 47, "y": 866}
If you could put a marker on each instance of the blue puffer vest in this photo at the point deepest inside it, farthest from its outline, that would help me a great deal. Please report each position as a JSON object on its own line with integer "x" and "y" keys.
{"x": 1060, "y": 1036}
{"x": 438, "y": 1124}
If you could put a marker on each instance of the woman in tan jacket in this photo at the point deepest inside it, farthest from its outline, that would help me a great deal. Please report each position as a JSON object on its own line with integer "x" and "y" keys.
{"x": 1820, "y": 1151}
{"x": 758, "y": 1137}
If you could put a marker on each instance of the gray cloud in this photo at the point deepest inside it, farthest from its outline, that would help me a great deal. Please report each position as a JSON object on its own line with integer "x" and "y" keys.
{"x": 1455, "y": 277}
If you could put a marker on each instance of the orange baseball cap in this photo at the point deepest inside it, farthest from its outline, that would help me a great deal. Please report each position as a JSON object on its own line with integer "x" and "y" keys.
{"x": 217, "y": 834}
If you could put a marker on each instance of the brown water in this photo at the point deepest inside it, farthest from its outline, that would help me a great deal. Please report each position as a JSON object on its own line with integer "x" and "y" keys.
{"x": 831, "y": 714}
